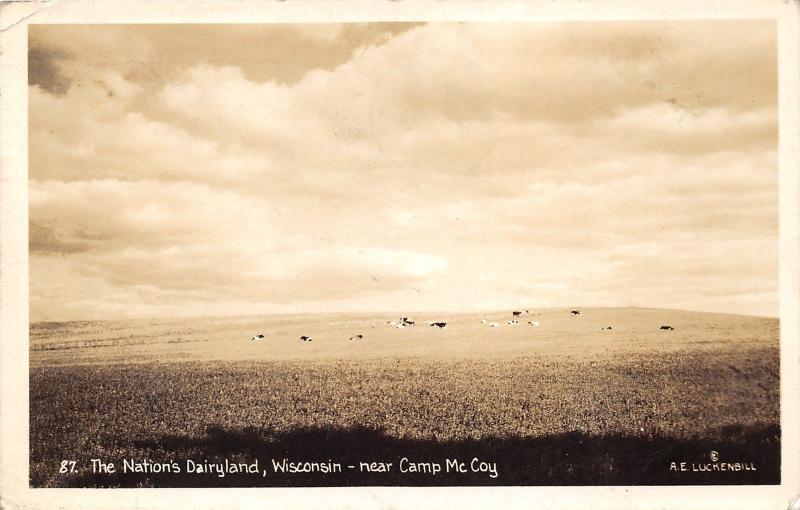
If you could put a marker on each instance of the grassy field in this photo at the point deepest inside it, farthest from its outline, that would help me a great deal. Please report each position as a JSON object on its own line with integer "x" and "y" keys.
{"x": 563, "y": 403}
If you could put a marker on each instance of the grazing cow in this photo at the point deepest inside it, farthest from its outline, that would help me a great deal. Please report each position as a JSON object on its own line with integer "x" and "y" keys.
{"x": 483, "y": 321}
{"x": 512, "y": 322}
{"x": 439, "y": 324}
{"x": 305, "y": 338}
{"x": 606, "y": 328}
{"x": 357, "y": 337}
{"x": 668, "y": 328}
{"x": 516, "y": 314}
{"x": 575, "y": 312}
{"x": 493, "y": 325}
{"x": 406, "y": 321}
{"x": 533, "y": 323}
{"x": 257, "y": 338}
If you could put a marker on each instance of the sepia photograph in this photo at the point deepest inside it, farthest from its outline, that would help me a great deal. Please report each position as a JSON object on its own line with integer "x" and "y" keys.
{"x": 405, "y": 253}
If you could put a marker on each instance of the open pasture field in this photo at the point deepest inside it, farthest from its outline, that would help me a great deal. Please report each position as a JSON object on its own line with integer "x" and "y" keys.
{"x": 559, "y": 335}
{"x": 562, "y": 403}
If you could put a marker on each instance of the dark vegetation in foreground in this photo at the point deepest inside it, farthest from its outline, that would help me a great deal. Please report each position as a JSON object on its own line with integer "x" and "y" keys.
{"x": 564, "y": 459}
{"x": 617, "y": 421}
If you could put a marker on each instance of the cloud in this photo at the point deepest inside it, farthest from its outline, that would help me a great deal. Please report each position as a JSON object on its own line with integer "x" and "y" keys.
{"x": 182, "y": 237}
{"x": 44, "y": 72}
{"x": 109, "y": 215}
{"x": 62, "y": 55}
{"x": 598, "y": 163}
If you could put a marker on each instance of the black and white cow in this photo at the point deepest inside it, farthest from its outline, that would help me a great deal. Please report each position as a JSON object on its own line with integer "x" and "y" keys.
{"x": 306, "y": 338}
{"x": 257, "y": 338}
{"x": 357, "y": 337}
{"x": 667, "y": 328}
{"x": 575, "y": 312}
{"x": 516, "y": 313}
{"x": 439, "y": 324}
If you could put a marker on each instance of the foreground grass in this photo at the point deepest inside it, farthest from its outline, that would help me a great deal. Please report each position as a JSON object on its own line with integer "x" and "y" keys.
{"x": 621, "y": 420}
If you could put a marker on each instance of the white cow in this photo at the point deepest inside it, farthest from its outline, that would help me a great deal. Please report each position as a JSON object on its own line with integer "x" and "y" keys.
{"x": 533, "y": 323}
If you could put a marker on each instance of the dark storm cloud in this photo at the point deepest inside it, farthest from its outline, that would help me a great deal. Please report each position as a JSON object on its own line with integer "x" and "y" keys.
{"x": 43, "y": 240}
{"x": 152, "y": 54}
{"x": 44, "y": 71}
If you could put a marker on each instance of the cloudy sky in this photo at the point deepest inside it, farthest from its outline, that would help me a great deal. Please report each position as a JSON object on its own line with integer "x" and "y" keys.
{"x": 214, "y": 170}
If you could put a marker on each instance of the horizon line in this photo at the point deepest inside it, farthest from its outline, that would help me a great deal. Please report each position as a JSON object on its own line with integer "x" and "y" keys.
{"x": 395, "y": 312}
